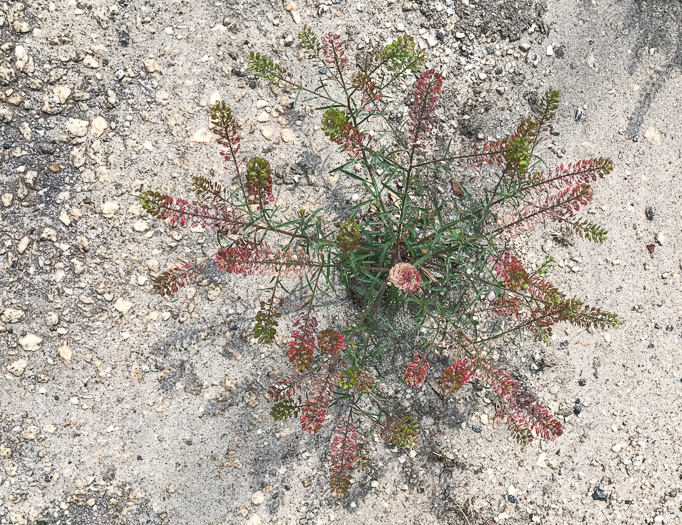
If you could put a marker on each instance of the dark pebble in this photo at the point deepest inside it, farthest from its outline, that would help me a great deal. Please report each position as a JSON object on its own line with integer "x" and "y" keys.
{"x": 123, "y": 38}
{"x": 477, "y": 429}
{"x": 599, "y": 495}
{"x": 499, "y": 70}
{"x": 47, "y": 148}
{"x": 511, "y": 499}
{"x": 669, "y": 328}
{"x": 651, "y": 345}
{"x": 560, "y": 51}
{"x": 564, "y": 343}
{"x": 650, "y": 213}
{"x": 7, "y": 145}
{"x": 440, "y": 35}
{"x": 490, "y": 50}
{"x": 579, "y": 114}
{"x": 577, "y": 410}
{"x": 582, "y": 382}
{"x": 323, "y": 70}
{"x": 48, "y": 478}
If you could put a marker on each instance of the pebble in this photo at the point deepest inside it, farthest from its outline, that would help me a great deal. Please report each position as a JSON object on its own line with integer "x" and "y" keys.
{"x": 64, "y": 218}
{"x": 109, "y": 209}
{"x": 660, "y": 238}
{"x": 579, "y": 114}
{"x": 77, "y": 127}
{"x": 268, "y": 132}
{"x": 361, "y": 8}
{"x": 650, "y": 213}
{"x": 16, "y": 368}
{"x": 31, "y": 342}
{"x": 140, "y": 226}
{"x": 288, "y": 135}
{"x": 512, "y": 491}
{"x": 151, "y": 66}
{"x": 257, "y": 498}
{"x": 263, "y": 116}
{"x": 11, "y": 315}
{"x": 98, "y": 126}
{"x": 123, "y": 38}
{"x": 599, "y": 495}
{"x": 459, "y": 36}
{"x": 91, "y": 62}
{"x": 64, "y": 351}
{"x": 122, "y": 305}
{"x": 52, "y": 319}
{"x": 201, "y": 136}
{"x": 48, "y": 234}
{"x": 23, "y": 244}
{"x": 7, "y": 199}
{"x": 550, "y": 50}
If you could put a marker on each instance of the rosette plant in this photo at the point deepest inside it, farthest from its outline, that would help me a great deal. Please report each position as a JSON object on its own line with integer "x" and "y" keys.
{"x": 446, "y": 262}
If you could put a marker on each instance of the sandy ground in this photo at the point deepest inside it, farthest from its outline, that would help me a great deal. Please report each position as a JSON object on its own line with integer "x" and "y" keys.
{"x": 118, "y": 406}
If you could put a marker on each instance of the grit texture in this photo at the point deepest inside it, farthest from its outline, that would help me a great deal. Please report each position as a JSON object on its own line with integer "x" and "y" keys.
{"x": 118, "y": 406}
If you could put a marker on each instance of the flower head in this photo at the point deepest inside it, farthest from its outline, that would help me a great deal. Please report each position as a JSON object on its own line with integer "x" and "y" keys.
{"x": 416, "y": 371}
{"x": 330, "y": 341}
{"x": 405, "y": 276}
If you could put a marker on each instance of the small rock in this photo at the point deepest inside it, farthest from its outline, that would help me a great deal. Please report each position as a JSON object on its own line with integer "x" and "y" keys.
{"x": 361, "y": 8}
{"x": 525, "y": 47}
{"x": 650, "y": 213}
{"x": 123, "y": 38}
{"x": 512, "y": 491}
{"x": 660, "y": 238}
{"x": 579, "y": 114}
{"x": 98, "y": 126}
{"x": 122, "y": 305}
{"x": 202, "y": 136}
{"x": 77, "y": 127}
{"x": 7, "y": 199}
{"x": 52, "y": 319}
{"x": 263, "y": 116}
{"x": 23, "y": 244}
{"x": 16, "y": 368}
{"x": 151, "y": 66}
{"x": 31, "y": 342}
{"x": 49, "y": 234}
{"x": 288, "y": 135}
{"x": 64, "y": 352}
{"x": 257, "y": 498}
{"x": 140, "y": 226}
{"x": 109, "y": 208}
{"x": 91, "y": 62}
{"x": 267, "y": 132}
{"x": 550, "y": 50}
{"x": 64, "y": 218}
{"x": 653, "y": 135}
{"x": 599, "y": 495}
{"x": 459, "y": 35}
{"x": 62, "y": 93}
{"x": 11, "y": 315}
{"x": 162, "y": 97}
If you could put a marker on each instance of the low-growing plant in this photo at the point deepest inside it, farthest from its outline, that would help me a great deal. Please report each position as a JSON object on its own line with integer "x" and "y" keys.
{"x": 433, "y": 271}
